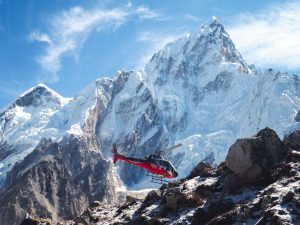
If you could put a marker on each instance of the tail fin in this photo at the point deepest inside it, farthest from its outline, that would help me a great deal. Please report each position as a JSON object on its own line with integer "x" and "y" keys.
{"x": 115, "y": 151}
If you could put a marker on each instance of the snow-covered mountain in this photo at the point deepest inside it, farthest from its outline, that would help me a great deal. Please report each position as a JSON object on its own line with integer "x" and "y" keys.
{"x": 197, "y": 90}
{"x": 24, "y": 123}
{"x": 200, "y": 92}
{"x": 208, "y": 96}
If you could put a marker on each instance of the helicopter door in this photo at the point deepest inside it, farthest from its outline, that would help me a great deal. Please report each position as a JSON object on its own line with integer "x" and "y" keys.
{"x": 165, "y": 165}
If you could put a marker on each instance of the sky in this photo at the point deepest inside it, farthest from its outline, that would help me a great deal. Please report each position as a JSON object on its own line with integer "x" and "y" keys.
{"x": 69, "y": 44}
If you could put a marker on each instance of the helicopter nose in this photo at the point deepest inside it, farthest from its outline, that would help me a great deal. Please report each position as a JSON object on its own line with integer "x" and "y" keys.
{"x": 175, "y": 174}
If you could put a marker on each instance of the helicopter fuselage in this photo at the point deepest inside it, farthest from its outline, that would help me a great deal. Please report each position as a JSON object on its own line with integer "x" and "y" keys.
{"x": 154, "y": 164}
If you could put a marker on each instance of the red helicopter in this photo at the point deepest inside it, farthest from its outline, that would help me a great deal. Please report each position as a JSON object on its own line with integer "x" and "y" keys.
{"x": 157, "y": 167}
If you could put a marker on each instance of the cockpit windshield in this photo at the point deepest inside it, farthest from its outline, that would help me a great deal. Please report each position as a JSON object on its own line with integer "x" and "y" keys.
{"x": 166, "y": 165}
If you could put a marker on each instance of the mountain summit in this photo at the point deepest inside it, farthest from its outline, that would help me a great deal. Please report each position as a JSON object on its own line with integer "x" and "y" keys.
{"x": 188, "y": 56}
{"x": 23, "y": 124}
{"x": 197, "y": 91}
{"x": 39, "y": 95}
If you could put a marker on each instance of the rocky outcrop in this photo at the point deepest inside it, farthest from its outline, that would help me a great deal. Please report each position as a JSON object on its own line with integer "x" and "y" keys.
{"x": 190, "y": 92}
{"x": 250, "y": 158}
{"x": 292, "y": 141}
{"x": 33, "y": 221}
{"x": 38, "y": 96}
{"x": 56, "y": 181}
{"x": 202, "y": 169}
{"x": 200, "y": 199}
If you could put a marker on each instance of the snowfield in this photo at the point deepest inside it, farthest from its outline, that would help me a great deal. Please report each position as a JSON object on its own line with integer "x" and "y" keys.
{"x": 197, "y": 91}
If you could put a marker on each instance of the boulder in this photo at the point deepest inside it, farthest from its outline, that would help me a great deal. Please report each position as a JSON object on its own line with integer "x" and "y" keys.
{"x": 172, "y": 184}
{"x": 174, "y": 199}
{"x": 231, "y": 183}
{"x": 199, "y": 217}
{"x": 249, "y": 158}
{"x": 293, "y": 156}
{"x": 30, "y": 221}
{"x": 214, "y": 209}
{"x": 153, "y": 195}
{"x": 288, "y": 197}
{"x": 95, "y": 204}
{"x": 203, "y": 169}
{"x": 37, "y": 221}
{"x": 293, "y": 140}
{"x": 80, "y": 221}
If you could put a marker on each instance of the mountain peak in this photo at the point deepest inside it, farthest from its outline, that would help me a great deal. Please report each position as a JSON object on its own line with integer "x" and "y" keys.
{"x": 211, "y": 26}
{"x": 39, "y": 87}
{"x": 39, "y": 95}
{"x": 207, "y": 47}
{"x": 214, "y": 21}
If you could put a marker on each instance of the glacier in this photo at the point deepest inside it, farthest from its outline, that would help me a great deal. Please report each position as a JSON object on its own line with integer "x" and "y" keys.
{"x": 197, "y": 91}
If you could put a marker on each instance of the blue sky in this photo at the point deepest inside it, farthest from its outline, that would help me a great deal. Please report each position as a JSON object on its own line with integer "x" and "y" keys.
{"x": 69, "y": 44}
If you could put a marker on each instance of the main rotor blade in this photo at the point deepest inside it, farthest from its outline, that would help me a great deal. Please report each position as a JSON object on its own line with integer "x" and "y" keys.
{"x": 170, "y": 148}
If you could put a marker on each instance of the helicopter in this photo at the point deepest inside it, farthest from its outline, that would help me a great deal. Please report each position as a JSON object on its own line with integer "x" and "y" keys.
{"x": 157, "y": 167}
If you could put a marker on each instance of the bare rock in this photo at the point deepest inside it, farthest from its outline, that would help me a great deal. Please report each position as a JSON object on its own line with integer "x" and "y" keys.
{"x": 293, "y": 139}
{"x": 249, "y": 158}
{"x": 172, "y": 184}
{"x": 216, "y": 208}
{"x": 231, "y": 183}
{"x": 288, "y": 197}
{"x": 202, "y": 169}
{"x": 56, "y": 181}
{"x": 80, "y": 221}
{"x": 265, "y": 202}
{"x": 293, "y": 156}
{"x": 173, "y": 200}
{"x": 95, "y": 204}
{"x": 36, "y": 221}
{"x": 199, "y": 217}
{"x": 153, "y": 195}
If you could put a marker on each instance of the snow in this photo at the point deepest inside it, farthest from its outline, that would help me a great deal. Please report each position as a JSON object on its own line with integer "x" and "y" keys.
{"x": 203, "y": 92}
{"x": 75, "y": 129}
{"x": 248, "y": 194}
{"x": 24, "y": 127}
{"x": 252, "y": 103}
{"x": 184, "y": 217}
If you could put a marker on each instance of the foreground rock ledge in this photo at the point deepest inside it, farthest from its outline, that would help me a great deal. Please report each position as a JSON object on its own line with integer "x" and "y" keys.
{"x": 204, "y": 197}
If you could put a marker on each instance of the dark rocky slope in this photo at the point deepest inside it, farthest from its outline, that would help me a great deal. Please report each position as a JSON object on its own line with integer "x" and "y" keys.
{"x": 268, "y": 193}
{"x": 56, "y": 181}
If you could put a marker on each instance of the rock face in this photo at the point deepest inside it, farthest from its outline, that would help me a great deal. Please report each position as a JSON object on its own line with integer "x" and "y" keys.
{"x": 202, "y": 169}
{"x": 195, "y": 90}
{"x": 292, "y": 141}
{"x": 57, "y": 181}
{"x": 200, "y": 199}
{"x": 23, "y": 125}
{"x": 33, "y": 221}
{"x": 249, "y": 158}
{"x": 38, "y": 96}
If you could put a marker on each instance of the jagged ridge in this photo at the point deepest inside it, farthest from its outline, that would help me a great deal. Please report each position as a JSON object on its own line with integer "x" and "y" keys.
{"x": 197, "y": 90}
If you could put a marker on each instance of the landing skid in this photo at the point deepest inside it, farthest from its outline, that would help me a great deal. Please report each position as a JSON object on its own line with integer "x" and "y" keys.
{"x": 156, "y": 178}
